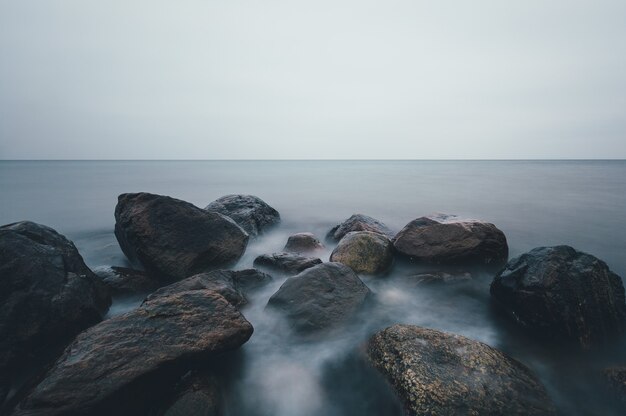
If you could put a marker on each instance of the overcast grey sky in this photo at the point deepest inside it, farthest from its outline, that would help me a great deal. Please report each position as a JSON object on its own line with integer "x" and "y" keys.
{"x": 146, "y": 79}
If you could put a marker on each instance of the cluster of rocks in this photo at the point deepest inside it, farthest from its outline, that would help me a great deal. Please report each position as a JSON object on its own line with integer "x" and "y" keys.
{"x": 53, "y": 306}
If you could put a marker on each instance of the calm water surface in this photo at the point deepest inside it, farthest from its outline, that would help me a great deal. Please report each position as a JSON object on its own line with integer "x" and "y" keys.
{"x": 535, "y": 203}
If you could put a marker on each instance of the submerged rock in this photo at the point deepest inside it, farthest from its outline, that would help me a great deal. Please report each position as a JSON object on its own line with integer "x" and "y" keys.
{"x": 232, "y": 285}
{"x": 433, "y": 278}
{"x": 125, "y": 281}
{"x": 47, "y": 296}
{"x": 359, "y": 222}
{"x": 364, "y": 252}
{"x": 436, "y": 373}
{"x": 250, "y": 212}
{"x": 286, "y": 262}
{"x": 563, "y": 293}
{"x": 119, "y": 365}
{"x": 174, "y": 239}
{"x": 321, "y": 297}
{"x": 198, "y": 395}
{"x": 448, "y": 239}
{"x": 303, "y": 243}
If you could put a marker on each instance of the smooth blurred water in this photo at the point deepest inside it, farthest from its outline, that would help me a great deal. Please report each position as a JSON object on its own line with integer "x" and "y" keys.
{"x": 580, "y": 203}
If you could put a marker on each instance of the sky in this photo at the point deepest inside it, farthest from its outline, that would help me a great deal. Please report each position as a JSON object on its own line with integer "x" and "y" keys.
{"x": 415, "y": 79}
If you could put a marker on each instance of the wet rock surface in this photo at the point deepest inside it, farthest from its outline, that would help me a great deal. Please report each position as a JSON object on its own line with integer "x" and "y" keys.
{"x": 320, "y": 298}
{"x": 251, "y": 213}
{"x": 47, "y": 296}
{"x": 447, "y": 239}
{"x": 198, "y": 395}
{"x": 287, "y": 263}
{"x": 118, "y": 366}
{"x": 359, "y": 222}
{"x": 435, "y": 373}
{"x": 364, "y": 252}
{"x": 303, "y": 243}
{"x": 563, "y": 293}
{"x": 616, "y": 382}
{"x": 126, "y": 281}
{"x": 174, "y": 239}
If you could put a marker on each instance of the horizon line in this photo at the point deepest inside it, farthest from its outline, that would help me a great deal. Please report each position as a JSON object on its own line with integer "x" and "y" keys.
{"x": 326, "y": 160}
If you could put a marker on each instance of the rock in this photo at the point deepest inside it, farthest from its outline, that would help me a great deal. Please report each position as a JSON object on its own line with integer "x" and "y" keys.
{"x": 250, "y": 212}
{"x": 616, "y": 379}
{"x": 321, "y": 297}
{"x": 448, "y": 239}
{"x": 125, "y": 281}
{"x": 198, "y": 395}
{"x": 431, "y": 278}
{"x": 47, "y": 296}
{"x": 359, "y": 222}
{"x": 232, "y": 285}
{"x": 286, "y": 262}
{"x": 436, "y": 373}
{"x": 563, "y": 293}
{"x": 303, "y": 243}
{"x": 119, "y": 365}
{"x": 364, "y": 252}
{"x": 174, "y": 239}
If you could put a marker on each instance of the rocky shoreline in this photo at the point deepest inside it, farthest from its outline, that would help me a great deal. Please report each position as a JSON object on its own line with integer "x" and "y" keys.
{"x": 53, "y": 308}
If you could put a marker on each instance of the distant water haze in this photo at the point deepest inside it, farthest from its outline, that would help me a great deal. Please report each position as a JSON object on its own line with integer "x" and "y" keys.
{"x": 327, "y": 79}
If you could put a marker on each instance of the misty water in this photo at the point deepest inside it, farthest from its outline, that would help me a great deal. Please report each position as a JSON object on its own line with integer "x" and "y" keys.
{"x": 535, "y": 203}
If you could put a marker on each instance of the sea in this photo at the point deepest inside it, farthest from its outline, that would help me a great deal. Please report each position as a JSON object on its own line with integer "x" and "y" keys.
{"x": 581, "y": 203}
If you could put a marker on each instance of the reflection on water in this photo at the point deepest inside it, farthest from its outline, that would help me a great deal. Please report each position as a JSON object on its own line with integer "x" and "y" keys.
{"x": 535, "y": 203}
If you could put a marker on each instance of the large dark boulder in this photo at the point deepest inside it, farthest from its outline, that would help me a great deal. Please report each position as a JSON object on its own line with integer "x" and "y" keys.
{"x": 436, "y": 373}
{"x": 321, "y": 297}
{"x": 125, "y": 281}
{"x": 197, "y": 395}
{"x": 563, "y": 293}
{"x": 174, "y": 239}
{"x": 303, "y": 243}
{"x": 47, "y": 296}
{"x": 359, "y": 222}
{"x": 364, "y": 252}
{"x": 120, "y": 365}
{"x": 447, "y": 239}
{"x": 249, "y": 211}
{"x": 287, "y": 263}
{"x": 232, "y": 285}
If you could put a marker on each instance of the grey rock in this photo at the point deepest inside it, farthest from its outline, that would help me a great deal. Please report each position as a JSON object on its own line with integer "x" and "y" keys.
{"x": 364, "y": 252}
{"x": 359, "y": 222}
{"x": 125, "y": 281}
{"x": 286, "y": 262}
{"x": 249, "y": 211}
{"x": 303, "y": 243}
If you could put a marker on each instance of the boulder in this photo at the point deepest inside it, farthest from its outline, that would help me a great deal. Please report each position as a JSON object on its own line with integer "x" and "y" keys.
{"x": 120, "y": 365}
{"x": 364, "y": 252}
{"x": 436, "y": 373}
{"x": 303, "y": 243}
{"x": 616, "y": 380}
{"x": 232, "y": 285}
{"x": 174, "y": 239}
{"x": 563, "y": 293}
{"x": 47, "y": 296}
{"x": 125, "y": 281}
{"x": 439, "y": 277}
{"x": 286, "y": 262}
{"x": 198, "y": 395}
{"x": 250, "y": 212}
{"x": 320, "y": 298}
{"x": 358, "y": 222}
{"x": 448, "y": 239}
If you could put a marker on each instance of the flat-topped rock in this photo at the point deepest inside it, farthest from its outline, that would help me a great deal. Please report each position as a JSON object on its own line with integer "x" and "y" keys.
{"x": 174, "y": 239}
{"x": 364, "y": 252}
{"x": 287, "y": 263}
{"x": 448, "y": 239}
{"x": 359, "y": 222}
{"x": 251, "y": 213}
{"x": 436, "y": 373}
{"x": 563, "y": 293}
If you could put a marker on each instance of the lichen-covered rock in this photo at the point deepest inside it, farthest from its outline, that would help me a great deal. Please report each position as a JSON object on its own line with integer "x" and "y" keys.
{"x": 125, "y": 281}
{"x": 303, "y": 243}
{"x": 250, "y": 212}
{"x": 616, "y": 379}
{"x": 198, "y": 395}
{"x": 437, "y": 373}
{"x": 288, "y": 263}
{"x": 174, "y": 239}
{"x": 447, "y": 239}
{"x": 364, "y": 252}
{"x": 359, "y": 222}
{"x": 563, "y": 293}
{"x": 320, "y": 298}
{"x": 232, "y": 285}
{"x": 117, "y": 366}
{"x": 47, "y": 296}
